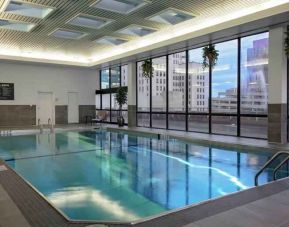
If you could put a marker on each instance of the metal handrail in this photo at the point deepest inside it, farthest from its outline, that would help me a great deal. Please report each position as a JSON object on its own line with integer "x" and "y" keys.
{"x": 278, "y": 167}
{"x": 267, "y": 164}
{"x": 50, "y": 123}
{"x": 40, "y": 126}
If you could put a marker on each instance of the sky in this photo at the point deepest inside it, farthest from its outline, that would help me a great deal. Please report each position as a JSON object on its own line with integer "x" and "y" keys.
{"x": 225, "y": 79}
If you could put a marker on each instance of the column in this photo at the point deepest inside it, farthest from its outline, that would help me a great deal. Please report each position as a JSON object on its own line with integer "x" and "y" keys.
{"x": 277, "y": 100}
{"x": 132, "y": 94}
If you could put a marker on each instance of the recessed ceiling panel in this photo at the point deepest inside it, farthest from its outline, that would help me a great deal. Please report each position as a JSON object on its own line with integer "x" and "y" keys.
{"x": 89, "y": 21}
{"x": 26, "y": 9}
{"x": 16, "y": 26}
{"x": 120, "y": 6}
{"x": 135, "y": 30}
{"x": 171, "y": 16}
{"x": 133, "y": 20}
{"x": 67, "y": 34}
{"x": 109, "y": 40}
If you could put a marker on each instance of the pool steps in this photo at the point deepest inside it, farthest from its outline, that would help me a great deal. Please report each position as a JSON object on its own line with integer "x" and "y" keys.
{"x": 276, "y": 168}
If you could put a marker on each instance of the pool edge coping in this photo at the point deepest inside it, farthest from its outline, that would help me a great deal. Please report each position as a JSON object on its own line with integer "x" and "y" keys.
{"x": 163, "y": 214}
{"x": 272, "y": 147}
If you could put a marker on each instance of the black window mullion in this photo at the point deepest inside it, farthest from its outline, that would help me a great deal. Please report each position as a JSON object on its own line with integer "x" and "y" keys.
{"x": 210, "y": 99}
{"x": 239, "y": 89}
{"x": 136, "y": 87}
{"x": 109, "y": 79}
{"x": 120, "y": 76}
{"x": 167, "y": 91}
{"x": 150, "y": 80}
{"x": 287, "y": 96}
{"x": 100, "y": 75}
{"x": 187, "y": 89}
{"x": 101, "y": 101}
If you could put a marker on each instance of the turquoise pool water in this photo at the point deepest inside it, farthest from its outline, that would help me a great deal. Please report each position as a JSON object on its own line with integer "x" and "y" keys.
{"x": 98, "y": 175}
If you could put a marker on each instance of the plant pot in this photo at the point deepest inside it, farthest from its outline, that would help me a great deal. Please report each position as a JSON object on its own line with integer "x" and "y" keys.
{"x": 120, "y": 121}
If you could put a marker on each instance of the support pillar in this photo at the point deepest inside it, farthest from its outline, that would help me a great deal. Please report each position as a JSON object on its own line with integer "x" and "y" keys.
{"x": 132, "y": 94}
{"x": 277, "y": 78}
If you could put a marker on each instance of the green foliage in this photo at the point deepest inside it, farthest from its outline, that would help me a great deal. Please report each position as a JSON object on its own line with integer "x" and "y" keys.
{"x": 210, "y": 56}
{"x": 147, "y": 69}
{"x": 121, "y": 96}
{"x": 287, "y": 43}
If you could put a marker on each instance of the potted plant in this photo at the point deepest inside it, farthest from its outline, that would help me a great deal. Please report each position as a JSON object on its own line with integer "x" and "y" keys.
{"x": 147, "y": 68}
{"x": 287, "y": 43}
{"x": 121, "y": 99}
{"x": 210, "y": 56}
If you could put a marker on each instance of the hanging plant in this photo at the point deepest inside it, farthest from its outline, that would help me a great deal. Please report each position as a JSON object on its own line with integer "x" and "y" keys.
{"x": 147, "y": 68}
{"x": 287, "y": 43}
{"x": 210, "y": 56}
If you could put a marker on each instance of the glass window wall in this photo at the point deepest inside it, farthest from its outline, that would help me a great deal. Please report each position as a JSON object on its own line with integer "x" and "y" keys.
{"x": 232, "y": 100}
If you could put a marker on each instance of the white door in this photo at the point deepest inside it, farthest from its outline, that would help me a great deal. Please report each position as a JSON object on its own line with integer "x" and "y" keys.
{"x": 73, "y": 115}
{"x": 45, "y": 108}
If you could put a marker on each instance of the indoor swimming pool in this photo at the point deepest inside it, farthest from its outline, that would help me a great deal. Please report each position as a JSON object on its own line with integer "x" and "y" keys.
{"x": 109, "y": 176}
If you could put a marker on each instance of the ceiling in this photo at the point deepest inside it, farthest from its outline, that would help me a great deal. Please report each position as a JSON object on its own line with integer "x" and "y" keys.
{"x": 95, "y": 46}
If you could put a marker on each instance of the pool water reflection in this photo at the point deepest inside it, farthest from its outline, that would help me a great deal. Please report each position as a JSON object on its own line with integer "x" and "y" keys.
{"x": 98, "y": 175}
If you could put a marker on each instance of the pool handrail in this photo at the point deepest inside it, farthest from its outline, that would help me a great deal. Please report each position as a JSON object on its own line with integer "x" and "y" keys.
{"x": 268, "y": 163}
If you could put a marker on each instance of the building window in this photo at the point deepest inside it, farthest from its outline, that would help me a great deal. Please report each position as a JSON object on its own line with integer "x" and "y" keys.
{"x": 158, "y": 98}
{"x": 195, "y": 70}
{"x": 104, "y": 75}
{"x": 254, "y": 85}
{"x": 187, "y": 104}
{"x": 124, "y": 75}
{"x": 115, "y": 77}
{"x": 176, "y": 91}
{"x": 105, "y": 97}
{"x": 143, "y": 99}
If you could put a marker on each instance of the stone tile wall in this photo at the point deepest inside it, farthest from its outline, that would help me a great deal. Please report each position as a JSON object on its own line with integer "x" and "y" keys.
{"x": 17, "y": 115}
{"x": 61, "y": 114}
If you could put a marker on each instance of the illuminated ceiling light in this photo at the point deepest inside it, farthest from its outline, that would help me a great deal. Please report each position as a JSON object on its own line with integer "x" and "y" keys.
{"x": 67, "y": 34}
{"x": 180, "y": 32}
{"x": 89, "y": 21}
{"x": 27, "y": 9}
{"x": 171, "y": 16}
{"x": 189, "y": 30}
{"x": 109, "y": 40}
{"x": 120, "y": 6}
{"x": 56, "y": 56}
{"x": 16, "y": 25}
{"x": 136, "y": 30}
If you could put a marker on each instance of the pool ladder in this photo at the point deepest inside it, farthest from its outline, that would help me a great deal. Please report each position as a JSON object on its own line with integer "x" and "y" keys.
{"x": 40, "y": 126}
{"x": 50, "y": 124}
{"x": 268, "y": 163}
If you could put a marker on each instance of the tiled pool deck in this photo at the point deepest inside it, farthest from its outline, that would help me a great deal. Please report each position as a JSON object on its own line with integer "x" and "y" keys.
{"x": 210, "y": 139}
{"x": 264, "y": 206}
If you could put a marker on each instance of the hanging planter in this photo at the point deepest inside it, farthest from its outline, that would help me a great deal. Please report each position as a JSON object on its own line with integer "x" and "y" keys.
{"x": 287, "y": 43}
{"x": 147, "y": 69}
{"x": 210, "y": 56}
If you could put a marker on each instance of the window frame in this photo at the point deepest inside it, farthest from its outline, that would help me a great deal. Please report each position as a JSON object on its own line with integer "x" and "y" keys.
{"x": 238, "y": 113}
{"x": 111, "y": 91}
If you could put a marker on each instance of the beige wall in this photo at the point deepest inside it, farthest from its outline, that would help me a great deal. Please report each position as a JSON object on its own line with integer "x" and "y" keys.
{"x": 29, "y": 79}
